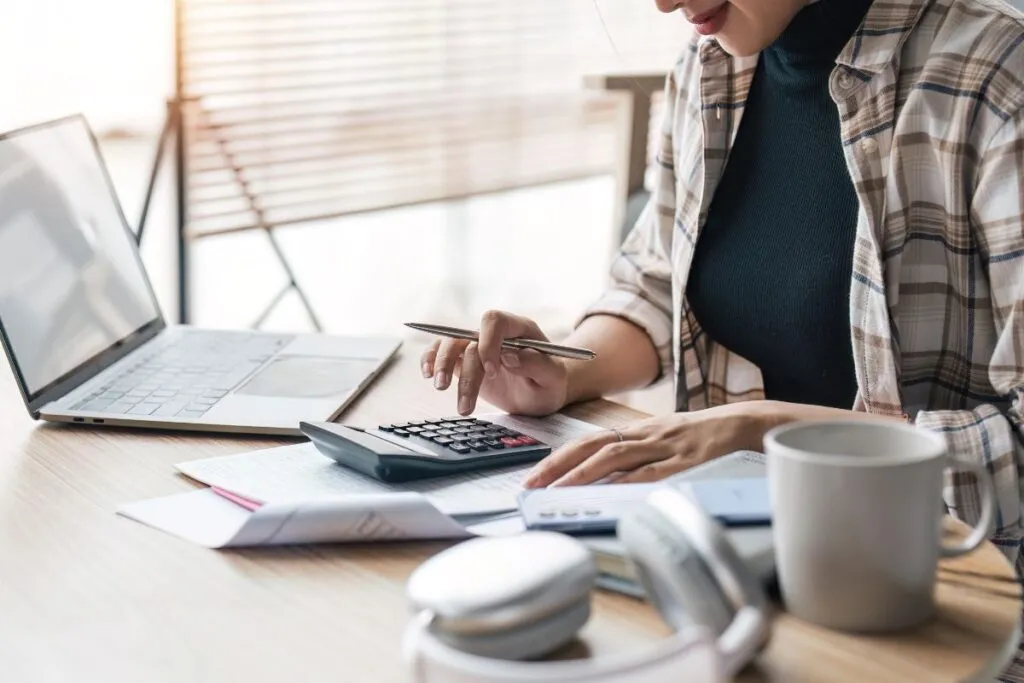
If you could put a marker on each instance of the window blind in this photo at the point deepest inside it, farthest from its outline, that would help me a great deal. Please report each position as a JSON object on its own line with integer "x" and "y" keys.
{"x": 297, "y": 110}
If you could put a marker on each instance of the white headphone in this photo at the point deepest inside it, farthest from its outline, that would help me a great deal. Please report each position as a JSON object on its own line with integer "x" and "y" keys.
{"x": 486, "y": 604}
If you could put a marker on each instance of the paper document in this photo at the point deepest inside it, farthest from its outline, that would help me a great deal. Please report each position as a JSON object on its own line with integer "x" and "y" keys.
{"x": 293, "y": 494}
{"x": 209, "y": 519}
{"x": 300, "y": 472}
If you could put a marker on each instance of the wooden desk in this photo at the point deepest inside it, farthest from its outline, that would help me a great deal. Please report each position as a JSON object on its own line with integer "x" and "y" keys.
{"x": 89, "y": 596}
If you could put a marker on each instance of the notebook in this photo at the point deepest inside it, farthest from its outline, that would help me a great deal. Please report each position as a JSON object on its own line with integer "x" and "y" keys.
{"x": 754, "y": 544}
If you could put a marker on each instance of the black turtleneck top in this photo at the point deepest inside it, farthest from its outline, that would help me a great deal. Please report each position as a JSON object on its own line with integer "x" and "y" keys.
{"x": 771, "y": 273}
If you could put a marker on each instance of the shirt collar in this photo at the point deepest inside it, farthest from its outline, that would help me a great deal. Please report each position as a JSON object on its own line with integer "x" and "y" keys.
{"x": 886, "y": 28}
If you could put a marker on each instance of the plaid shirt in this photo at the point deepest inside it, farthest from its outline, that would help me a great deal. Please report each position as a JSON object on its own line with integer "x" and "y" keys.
{"x": 931, "y": 104}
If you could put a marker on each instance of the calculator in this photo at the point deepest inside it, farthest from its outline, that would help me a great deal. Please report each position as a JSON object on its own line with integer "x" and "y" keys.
{"x": 419, "y": 449}
{"x": 594, "y": 509}
{"x": 597, "y": 508}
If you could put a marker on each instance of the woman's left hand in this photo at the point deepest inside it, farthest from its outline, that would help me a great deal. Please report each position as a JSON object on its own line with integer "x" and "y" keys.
{"x": 653, "y": 449}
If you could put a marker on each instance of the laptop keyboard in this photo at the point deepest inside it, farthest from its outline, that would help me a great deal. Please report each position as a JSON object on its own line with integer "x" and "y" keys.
{"x": 187, "y": 378}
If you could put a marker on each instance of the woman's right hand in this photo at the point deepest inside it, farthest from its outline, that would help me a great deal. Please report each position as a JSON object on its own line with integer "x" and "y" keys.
{"x": 522, "y": 382}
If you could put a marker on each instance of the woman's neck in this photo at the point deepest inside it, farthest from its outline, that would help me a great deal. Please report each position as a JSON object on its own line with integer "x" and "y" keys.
{"x": 820, "y": 31}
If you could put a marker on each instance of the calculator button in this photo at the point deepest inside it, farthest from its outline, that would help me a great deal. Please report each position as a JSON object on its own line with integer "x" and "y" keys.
{"x": 570, "y": 512}
{"x": 442, "y": 440}
{"x": 428, "y": 435}
{"x": 490, "y": 434}
{"x": 479, "y": 446}
{"x": 414, "y": 430}
{"x": 461, "y": 438}
{"x": 386, "y": 428}
{"x": 465, "y": 423}
{"x": 445, "y": 432}
{"x": 509, "y": 441}
{"x": 447, "y": 425}
{"x": 527, "y": 440}
{"x": 416, "y": 423}
{"x": 400, "y": 432}
{"x": 547, "y": 514}
{"x": 494, "y": 443}
{"x": 459, "y": 448}
{"x": 461, "y": 430}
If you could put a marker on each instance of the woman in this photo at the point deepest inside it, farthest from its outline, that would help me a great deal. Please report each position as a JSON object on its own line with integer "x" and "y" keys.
{"x": 861, "y": 253}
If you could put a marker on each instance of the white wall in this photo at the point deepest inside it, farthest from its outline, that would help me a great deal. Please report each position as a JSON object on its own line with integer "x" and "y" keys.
{"x": 111, "y": 59}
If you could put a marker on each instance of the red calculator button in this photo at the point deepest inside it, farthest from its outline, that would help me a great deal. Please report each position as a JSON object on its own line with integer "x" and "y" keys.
{"x": 510, "y": 441}
{"x": 527, "y": 440}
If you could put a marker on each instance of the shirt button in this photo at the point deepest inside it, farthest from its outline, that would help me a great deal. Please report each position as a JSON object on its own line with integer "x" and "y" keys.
{"x": 842, "y": 85}
{"x": 868, "y": 146}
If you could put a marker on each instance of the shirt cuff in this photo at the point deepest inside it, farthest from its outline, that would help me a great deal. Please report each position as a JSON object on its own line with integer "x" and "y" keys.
{"x": 985, "y": 436}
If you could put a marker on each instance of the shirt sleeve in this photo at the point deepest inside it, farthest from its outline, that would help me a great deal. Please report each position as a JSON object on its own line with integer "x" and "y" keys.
{"x": 641, "y": 273}
{"x": 990, "y": 435}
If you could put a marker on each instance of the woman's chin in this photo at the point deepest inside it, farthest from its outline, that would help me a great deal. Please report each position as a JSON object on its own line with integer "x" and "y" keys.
{"x": 739, "y": 47}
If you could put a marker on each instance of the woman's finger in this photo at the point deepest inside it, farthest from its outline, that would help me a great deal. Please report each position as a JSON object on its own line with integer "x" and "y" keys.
{"x": 655, "y": 471}
{"x": 444, "y": 364}
{"x": 428, "y": 357}
{"x": 566, "y": 458}
{"x": 622, "y": 456}
{"x": 471, "y": 377}
{"x": 497, "y": 326}
{"x": 540, "y": 367}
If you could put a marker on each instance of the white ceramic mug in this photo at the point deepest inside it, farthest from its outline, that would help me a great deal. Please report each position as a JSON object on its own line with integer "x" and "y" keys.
{"x": 856, "y": 515}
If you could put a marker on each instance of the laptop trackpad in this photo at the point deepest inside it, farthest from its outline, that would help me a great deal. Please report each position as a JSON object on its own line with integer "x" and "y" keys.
{"x": 309, "y": 377}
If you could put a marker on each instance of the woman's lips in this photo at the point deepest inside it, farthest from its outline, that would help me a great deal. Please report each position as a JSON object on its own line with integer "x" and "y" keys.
{"x": 710, "y": 23}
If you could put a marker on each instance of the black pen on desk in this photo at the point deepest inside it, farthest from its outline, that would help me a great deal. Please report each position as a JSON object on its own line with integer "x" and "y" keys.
{"x": 516, "y": 343}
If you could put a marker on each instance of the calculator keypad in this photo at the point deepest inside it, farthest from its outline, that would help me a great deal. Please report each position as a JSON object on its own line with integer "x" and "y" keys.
{"x": 461, "y": 437}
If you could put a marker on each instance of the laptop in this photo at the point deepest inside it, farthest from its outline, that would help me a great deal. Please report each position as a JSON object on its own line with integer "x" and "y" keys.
{"x": 86, "y": 339}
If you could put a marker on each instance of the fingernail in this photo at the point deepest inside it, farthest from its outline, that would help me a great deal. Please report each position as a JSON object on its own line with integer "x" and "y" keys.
{"x": 465, "y": 407}
{"x": 426, "y": 370}
{"x": 510, "y": 360}
{"x": 440, "y": 380}
{"x": 490, "y": 370}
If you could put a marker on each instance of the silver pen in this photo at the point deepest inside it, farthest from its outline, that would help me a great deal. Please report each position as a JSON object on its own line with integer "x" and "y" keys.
{"x": 515, "y": 343}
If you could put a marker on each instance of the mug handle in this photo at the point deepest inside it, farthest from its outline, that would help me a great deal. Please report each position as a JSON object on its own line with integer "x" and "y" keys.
{"x": 988, "y": 512}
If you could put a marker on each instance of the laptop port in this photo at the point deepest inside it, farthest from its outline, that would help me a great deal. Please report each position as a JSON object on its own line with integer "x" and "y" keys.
{"x": 79, "y": 419}
{"x": 98, "y": 422}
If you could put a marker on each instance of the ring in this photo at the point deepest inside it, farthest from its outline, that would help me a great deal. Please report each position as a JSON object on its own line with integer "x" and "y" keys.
{"x": 617, "y": 433}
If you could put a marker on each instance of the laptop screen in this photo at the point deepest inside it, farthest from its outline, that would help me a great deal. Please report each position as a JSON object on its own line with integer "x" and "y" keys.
{"x": 71, "y": 281}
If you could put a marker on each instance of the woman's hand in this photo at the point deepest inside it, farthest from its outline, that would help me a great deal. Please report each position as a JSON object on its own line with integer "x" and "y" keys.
{"x": 656, "y": 448}
{"x": 523, "y": 382}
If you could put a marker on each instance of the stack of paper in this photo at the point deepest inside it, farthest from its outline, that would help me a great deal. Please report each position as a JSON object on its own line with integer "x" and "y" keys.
{"x": 293, "y": 494}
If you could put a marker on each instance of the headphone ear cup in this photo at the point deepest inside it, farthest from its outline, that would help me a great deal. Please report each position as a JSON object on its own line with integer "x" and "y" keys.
{"x": 674, "y": 574}
{"x": 527, "y": 641}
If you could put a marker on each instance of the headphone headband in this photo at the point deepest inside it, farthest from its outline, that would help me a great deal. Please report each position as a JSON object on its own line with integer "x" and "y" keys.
{"x": 689, "y": 655}
{"x": 749, "y": 629}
